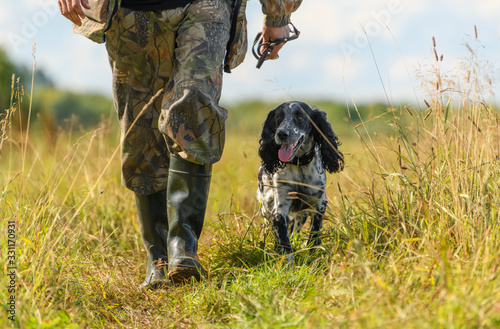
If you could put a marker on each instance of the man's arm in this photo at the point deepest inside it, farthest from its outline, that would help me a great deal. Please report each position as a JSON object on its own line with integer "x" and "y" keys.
{"x": 72, "y": 9}
{"x": 276, "y": 19}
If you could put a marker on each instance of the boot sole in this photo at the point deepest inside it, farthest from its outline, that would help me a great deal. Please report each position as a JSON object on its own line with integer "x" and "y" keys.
{"x": 155, "y": 285}
{"x": 184, "y": 275}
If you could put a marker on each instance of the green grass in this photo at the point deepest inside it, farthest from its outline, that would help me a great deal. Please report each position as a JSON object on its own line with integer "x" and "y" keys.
{"x": 410, "y": 240}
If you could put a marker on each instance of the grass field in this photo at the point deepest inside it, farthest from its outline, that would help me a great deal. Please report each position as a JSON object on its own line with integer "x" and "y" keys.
{"x": 411, "y": 236}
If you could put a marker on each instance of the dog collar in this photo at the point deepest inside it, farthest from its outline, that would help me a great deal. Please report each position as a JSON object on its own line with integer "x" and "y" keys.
{"x": 305, "y": 159}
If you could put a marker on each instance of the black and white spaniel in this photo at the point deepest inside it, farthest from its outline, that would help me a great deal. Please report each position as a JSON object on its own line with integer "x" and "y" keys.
{"x": 297, "y": 147}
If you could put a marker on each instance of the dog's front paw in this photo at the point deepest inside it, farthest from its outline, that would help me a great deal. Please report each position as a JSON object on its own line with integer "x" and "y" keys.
{"x": 287, "y": 254}
{"x": 314, "y": 242}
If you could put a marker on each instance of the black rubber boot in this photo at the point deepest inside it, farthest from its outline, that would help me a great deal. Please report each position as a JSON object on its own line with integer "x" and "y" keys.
{"x": 187, "y": 193}
{"x": 153, "y": 221}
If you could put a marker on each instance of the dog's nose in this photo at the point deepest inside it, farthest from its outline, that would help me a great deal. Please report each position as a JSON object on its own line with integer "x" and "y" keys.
{"x": 283, "y": 134}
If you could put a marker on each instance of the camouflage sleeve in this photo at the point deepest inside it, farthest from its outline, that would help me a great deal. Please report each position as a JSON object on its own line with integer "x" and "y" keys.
{"x": 277, "y": 12}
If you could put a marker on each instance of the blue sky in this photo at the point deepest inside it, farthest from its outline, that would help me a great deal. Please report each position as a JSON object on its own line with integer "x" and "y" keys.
{"x": 357, "y": 51}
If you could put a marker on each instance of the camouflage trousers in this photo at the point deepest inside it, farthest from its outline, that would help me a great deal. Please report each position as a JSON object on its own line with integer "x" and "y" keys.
{"x": 178, "y": 56}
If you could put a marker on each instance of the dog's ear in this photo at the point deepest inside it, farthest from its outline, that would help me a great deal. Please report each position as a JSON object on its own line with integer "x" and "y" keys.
{"x": 332, "y": 158}
{"x": 268, "y": 150}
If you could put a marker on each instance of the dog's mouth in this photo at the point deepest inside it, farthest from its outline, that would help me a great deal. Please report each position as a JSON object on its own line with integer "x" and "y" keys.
{"x": 287, "y": 151}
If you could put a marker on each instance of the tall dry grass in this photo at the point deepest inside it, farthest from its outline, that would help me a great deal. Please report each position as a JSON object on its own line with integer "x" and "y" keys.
{"x": 411, "y": 235}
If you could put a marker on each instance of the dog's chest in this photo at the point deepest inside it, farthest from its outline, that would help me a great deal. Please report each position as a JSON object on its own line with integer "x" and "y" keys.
{"x": 295, "y": 187}
{"x": 308, "y": 177}
{"x": 305, "y": 185}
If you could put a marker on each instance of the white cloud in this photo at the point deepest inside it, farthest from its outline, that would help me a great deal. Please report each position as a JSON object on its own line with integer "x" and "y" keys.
{"x": 486, "y": 9}
{"x": 319, "y": 21}
{"x": 82, "y": 66}
{"x": 336, "y": 66}
{"x": 404, "y": 68}
{"x": 4, "y": 15}
{"x": 25, "y": 22}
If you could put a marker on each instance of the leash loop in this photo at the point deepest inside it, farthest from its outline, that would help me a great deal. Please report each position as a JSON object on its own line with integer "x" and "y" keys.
{"x": 261, "y": 55}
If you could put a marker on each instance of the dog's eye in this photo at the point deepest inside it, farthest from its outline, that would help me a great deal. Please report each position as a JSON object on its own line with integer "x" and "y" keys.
{"x": 300, "y": 118}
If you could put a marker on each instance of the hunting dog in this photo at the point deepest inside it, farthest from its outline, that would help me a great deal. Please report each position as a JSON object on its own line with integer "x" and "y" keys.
{"x": 297, "y": 147}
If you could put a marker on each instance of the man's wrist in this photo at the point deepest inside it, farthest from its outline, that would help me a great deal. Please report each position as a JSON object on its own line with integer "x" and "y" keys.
{"x": 276, "y": 21}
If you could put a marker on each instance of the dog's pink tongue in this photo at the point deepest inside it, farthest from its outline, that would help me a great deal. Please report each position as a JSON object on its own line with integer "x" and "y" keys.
{"x": 285, "y": 152}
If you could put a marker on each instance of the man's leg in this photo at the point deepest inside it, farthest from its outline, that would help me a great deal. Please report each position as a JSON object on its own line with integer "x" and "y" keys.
{"x": 193, "y": 124}
{"x": 152, "y": 213}
{"x": 139, "y": 72}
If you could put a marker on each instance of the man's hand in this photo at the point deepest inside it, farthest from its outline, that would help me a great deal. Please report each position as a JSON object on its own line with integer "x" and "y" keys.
{"x": 72, "y": 9}
{"x": 273, "y": 33}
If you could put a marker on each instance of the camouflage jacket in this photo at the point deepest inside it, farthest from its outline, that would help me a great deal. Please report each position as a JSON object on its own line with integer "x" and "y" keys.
{"x": 276, "y": 13}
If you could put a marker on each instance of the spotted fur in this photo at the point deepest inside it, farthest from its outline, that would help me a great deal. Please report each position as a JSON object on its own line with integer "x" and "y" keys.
{"x": 291, "y": 191}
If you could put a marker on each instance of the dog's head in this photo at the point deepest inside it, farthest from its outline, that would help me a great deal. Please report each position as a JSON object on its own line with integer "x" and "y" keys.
{"x": 293, "y": 129}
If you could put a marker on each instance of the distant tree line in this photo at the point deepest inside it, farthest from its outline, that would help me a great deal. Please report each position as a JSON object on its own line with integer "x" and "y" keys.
{"x": 54, "y": 106}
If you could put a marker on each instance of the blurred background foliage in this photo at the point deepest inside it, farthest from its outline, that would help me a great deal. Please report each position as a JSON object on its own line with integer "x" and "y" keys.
{"x": 54, "y": 108}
